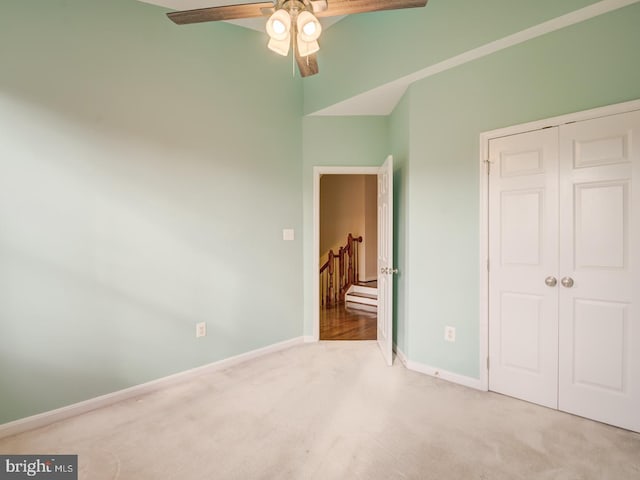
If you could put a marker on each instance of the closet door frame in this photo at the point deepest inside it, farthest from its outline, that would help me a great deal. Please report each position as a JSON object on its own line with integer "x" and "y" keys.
{"x": 484, "y": 166}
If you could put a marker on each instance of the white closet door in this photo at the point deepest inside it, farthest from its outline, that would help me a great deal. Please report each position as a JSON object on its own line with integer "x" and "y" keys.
{"x": 523, "y": 239}
{"x": 599, "y": 335}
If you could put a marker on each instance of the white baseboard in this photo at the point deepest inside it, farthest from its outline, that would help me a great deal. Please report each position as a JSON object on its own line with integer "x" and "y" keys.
{"x": 400, "y": 355}
{"x": 309, "y": 339}
{"x": 46, "y": 418}
{"x": 438, "y": 372}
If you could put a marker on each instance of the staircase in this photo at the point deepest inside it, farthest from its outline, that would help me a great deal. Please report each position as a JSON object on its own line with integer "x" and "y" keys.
{"x": 339, "y": 272}
{"x": 339, "y": 280}
{"x": 362, "y": 297}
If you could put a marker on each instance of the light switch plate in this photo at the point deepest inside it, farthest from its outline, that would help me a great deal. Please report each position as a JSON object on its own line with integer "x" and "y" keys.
{"x": 288, "y": 234}
{"x": 450, "y": 334}
{"x": 201, "y": 329}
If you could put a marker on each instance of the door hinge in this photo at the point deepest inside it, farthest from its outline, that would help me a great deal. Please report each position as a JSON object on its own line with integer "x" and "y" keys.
{"x": 488, "y": 163}
{"x": 487, "y": 264}
{"x": 487, "y": 363}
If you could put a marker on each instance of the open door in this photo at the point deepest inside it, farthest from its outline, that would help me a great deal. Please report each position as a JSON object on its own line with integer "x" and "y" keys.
{"x": 385, "y": 259}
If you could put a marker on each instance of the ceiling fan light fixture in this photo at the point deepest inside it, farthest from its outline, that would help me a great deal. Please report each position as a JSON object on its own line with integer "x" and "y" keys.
{"x": 281, "y": 47}
{"x": 279, "y": 25}
{"x": 291, "y": 24}
{"x": 307, "y": 48}
{"x": 309, "y": 28}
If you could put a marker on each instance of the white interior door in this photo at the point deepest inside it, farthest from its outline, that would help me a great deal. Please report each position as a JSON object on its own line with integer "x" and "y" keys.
{"x": 385, "y": 259}
{"x": 599, "y": 369}
{"x": 523, "y": 240}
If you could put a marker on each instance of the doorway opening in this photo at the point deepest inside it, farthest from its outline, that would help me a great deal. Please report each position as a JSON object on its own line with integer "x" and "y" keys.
{"x": 384, "y": 264}
{"x": 318, "y": 174}
{"x": 348, "y": 257}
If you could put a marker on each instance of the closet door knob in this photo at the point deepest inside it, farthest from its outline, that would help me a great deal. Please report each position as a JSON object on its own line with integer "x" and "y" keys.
{"x": 551, "y": 281}
{"x": 567, "y": 282}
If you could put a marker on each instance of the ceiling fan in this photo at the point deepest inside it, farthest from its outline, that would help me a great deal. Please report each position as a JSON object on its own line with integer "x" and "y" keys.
{"x": 292, "y": 23}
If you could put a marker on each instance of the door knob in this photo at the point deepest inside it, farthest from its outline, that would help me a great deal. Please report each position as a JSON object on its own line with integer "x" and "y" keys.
{"x": 567, "y": 282}
{"x": 388, "y": 271}
{"x": 551, "y": 281}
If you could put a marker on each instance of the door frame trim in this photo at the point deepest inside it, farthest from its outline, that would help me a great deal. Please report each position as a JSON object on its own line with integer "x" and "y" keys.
{"x": 317, "y": 173}
{"x": 483, "y": 270}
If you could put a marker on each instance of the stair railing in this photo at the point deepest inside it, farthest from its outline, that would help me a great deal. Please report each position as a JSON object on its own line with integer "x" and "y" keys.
{"x": 339, "y": 272}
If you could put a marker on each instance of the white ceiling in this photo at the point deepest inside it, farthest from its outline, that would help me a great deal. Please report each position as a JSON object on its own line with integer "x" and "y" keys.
{"x": 252, "y": 23}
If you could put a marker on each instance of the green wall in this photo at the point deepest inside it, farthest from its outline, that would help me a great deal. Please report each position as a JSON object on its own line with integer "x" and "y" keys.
{"x": 145, "y": 179}
{"x": 399, "y": 139}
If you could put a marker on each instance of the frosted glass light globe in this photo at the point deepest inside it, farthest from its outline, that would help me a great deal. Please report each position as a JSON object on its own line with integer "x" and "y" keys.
{"x": 279, "y": 27}
{"x": 309, "y": 28}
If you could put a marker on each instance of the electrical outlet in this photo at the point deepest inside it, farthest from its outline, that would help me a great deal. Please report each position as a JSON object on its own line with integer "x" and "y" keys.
{"x": 201, "y": 329}
{"x": 288, "y": 234}
{"x": 450, "y": 334}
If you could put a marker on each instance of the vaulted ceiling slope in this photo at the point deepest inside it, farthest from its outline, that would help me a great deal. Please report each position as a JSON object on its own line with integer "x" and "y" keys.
{"x": 369, "y": 60}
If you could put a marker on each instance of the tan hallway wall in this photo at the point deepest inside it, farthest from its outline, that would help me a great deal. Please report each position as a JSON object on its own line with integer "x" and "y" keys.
{"x": 343, "y": 210}
{"x": 370, "y": 260}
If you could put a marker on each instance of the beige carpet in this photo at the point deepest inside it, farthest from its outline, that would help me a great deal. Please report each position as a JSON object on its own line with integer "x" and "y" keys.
{"x": 333, "y": 411}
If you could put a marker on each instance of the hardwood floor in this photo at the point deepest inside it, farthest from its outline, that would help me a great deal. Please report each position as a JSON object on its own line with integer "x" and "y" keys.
{"x": 339, "y": 323}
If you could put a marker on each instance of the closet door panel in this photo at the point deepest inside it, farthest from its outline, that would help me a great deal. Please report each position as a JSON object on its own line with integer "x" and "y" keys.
{"x": 523, "y": 238}
{"x": 599, "y": 319}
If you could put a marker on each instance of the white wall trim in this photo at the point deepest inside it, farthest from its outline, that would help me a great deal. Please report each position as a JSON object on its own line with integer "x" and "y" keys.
{"x": 317, "y": 173}
{"x": 592, "y": 113}
{"x": 47, "y": 418}
{"x": 483, "y": 306}
{"x": 383, "y": 99}
{"x": 438, "y": 372}
{"x": 485, "y": 137}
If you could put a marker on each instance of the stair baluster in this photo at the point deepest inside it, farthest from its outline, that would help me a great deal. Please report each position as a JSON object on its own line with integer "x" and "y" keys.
{"x": 335, "y": 280}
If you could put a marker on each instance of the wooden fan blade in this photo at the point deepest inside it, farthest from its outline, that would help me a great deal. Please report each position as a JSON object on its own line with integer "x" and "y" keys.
{"x": 346, "y": 7}
{"x": 212, "y": 14}
{"x": 318, "y": 5}
{"x": 307, "y": 65}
